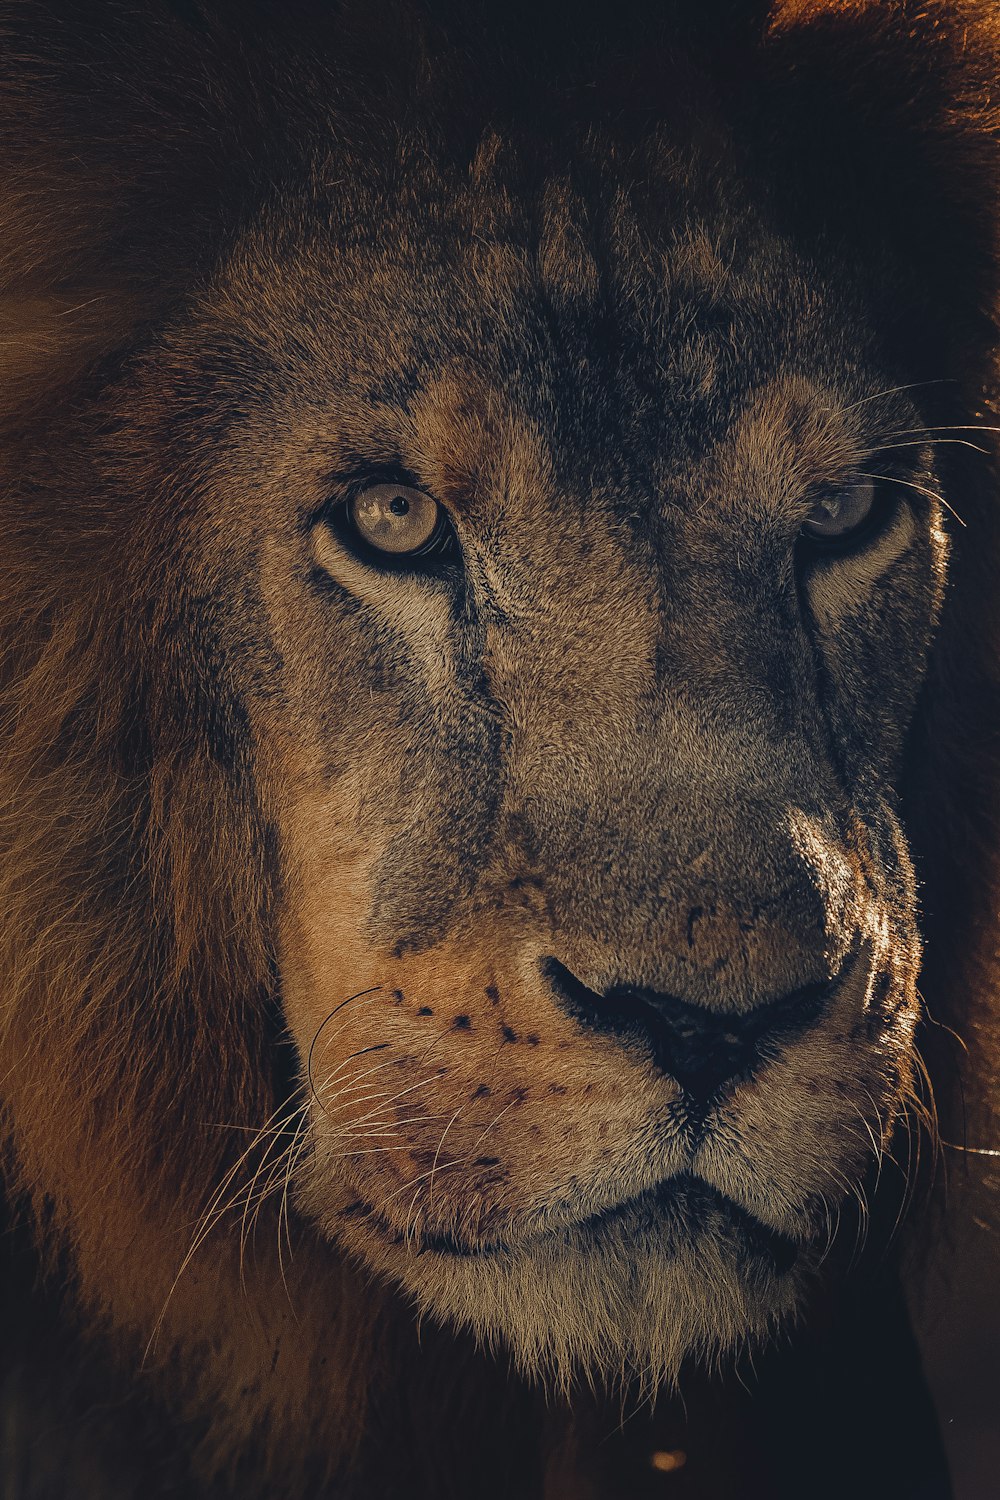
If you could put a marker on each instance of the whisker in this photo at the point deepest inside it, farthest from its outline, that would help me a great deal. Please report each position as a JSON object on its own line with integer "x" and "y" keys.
{"x": 456, "y": 1162}
{"x": 218, "y": 1206}
{"x": 323, "y": 1024}
{"x": 495, "y": 1120}
{"x": 349, "y": 1086}
{"x": 877, "y": 1146}
{"x": 275, "y": 1168}
{"x": 387, "y": 1099}
{"x": 434, "y": 1164}
{"x": 369, "y": 1151}
{"x": 893, "y": 390}
{"x": 918, "y": 488}
{"x": 943, "y": 1025}
{"x": 300, "y": 1145}
{"x": 933, "y": 442}
{"x": 440, "y": 1144}
{"x": 387, "y": 1126}
{"x": 328, "y": 1043}
{"x": 948, "y": 427}
{"x": 347, "y": 1094}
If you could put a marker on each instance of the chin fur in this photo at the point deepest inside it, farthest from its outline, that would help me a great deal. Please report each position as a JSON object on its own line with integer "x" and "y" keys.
{"x": 626, "y": 1296}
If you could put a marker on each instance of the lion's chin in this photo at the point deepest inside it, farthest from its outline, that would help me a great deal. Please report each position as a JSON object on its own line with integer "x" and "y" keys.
{"x": 627, "y": 1294}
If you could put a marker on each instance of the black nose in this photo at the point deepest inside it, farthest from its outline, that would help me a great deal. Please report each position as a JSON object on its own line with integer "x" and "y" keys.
{"x": 703, "y": 1050}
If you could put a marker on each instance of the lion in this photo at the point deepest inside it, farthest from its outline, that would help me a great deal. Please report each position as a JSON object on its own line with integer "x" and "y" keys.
{"x": 499, "y": 696}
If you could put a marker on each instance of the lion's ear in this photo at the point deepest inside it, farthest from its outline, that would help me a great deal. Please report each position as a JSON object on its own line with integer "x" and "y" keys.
{"x": 889, "y": 113}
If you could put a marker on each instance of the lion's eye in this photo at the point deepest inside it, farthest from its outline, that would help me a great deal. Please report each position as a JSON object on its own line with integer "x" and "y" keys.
{"x": 842, "y": 515}
{"x": 399, "y": 521}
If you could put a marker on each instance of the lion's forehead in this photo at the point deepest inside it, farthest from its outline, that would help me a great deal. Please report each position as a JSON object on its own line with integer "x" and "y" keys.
{"x": 624, "y": 335}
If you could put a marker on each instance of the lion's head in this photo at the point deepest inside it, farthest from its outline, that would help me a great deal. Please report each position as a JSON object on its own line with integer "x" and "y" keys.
{"x": 484, "y": 664}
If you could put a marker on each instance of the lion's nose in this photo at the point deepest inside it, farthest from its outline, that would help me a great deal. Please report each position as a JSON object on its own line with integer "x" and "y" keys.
{"x": 703, "y": 1050}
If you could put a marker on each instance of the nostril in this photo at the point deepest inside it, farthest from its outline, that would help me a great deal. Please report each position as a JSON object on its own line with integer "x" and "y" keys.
{"x": 702, "y": 1049}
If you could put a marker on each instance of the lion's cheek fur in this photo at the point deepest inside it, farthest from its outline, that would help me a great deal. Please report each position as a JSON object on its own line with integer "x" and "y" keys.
{"x": 446, "y": 1086}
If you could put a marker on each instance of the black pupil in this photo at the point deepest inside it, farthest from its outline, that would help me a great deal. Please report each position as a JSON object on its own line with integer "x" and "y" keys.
{"x": 399, "y": 505}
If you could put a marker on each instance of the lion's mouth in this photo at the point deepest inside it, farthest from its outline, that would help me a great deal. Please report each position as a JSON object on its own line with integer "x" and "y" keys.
{"x": 685, "y": 1208}
{"x": 680, "y": 1211}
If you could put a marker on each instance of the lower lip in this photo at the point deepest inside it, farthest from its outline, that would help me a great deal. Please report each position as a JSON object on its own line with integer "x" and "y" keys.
{"x": 687, "y": 1206}
{"x": 674, "y": 1207}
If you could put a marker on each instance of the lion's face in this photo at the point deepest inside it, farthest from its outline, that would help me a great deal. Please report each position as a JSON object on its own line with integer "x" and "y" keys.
{"x": 597, "y": 936}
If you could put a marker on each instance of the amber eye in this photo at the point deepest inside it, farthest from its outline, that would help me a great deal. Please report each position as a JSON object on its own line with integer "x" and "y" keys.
{"x": 842, "y": 515}
{"x": 399, "y": 521}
